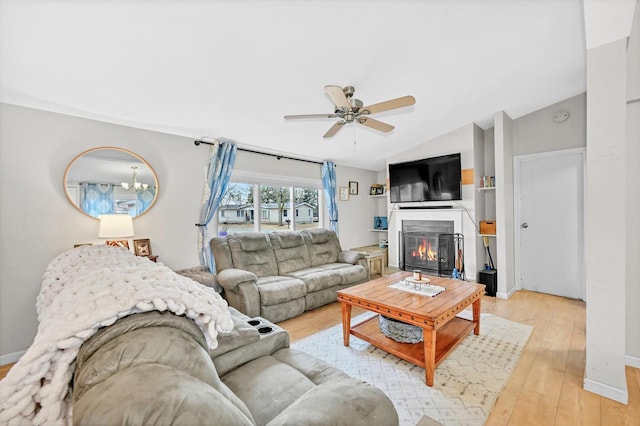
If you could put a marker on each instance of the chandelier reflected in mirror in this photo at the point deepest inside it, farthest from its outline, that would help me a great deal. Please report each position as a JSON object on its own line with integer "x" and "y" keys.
{"x": 135, "y": 186}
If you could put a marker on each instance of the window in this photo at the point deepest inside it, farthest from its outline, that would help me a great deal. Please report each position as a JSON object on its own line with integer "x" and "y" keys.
{"x": 238, "y": 199}
{"x": 275, "y": 200}
{"x": 275, "y": 205}
{"x": 306, "y": 207}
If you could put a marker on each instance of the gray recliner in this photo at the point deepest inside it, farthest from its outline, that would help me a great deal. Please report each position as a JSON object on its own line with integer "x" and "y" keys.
{"x": 279, "y": 275}
{"x": 155, "y": 368}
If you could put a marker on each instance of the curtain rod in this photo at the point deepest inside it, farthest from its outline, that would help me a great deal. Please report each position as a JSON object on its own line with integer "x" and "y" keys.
{"x": 198, "y": 142}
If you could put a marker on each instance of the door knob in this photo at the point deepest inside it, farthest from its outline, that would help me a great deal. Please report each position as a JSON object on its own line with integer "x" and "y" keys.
{"x": 524, "y": 225}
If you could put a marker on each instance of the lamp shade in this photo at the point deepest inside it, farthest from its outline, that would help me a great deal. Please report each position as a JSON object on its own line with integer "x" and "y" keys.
{"x": 115, "y": 226}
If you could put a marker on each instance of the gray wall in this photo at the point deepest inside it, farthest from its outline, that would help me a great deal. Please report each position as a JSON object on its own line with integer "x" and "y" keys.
{"x": 537, "y": 132}
{"x": 37, "y": 222}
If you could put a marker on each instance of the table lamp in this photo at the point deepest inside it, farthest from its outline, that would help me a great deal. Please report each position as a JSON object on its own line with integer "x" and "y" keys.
{"x": 115, "y": 226}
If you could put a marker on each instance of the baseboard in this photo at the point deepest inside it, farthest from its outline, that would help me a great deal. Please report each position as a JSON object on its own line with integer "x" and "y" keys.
{"x": 632, "y": 361}
{"x": 505, "y": 296}
{"x": 619, "y": 395}
{"x": 11, "y": 358}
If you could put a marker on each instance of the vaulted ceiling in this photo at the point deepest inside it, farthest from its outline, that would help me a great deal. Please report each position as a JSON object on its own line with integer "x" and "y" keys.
{"x": 234, "y": 68}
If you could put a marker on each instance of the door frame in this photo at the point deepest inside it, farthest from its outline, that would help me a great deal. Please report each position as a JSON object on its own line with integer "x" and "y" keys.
{"x": 517, "y": 161}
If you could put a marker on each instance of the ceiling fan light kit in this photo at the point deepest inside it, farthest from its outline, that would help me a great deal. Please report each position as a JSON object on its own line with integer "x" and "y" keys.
{"x": 350, "y": 109}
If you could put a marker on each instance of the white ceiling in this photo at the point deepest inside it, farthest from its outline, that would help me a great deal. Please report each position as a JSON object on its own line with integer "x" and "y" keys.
{"x": 234, "y": 68}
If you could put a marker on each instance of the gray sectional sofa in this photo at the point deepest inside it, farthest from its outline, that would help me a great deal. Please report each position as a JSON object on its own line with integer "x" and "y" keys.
{"x": 155, "y": 368}
{"x": 280, "y": 275}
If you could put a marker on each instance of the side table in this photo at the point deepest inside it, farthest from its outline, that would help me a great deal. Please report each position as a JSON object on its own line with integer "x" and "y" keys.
{"x": 375, "y": 263}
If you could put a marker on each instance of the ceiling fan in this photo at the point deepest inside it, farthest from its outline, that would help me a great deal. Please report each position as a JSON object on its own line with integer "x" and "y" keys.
{"x": 349, "y": 109}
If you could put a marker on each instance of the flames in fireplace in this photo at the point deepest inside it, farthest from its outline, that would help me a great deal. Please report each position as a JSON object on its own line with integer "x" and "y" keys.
{"x": 425, "y": 250}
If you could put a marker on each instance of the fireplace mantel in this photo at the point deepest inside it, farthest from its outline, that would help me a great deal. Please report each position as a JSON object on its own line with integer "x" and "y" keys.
{"x": 454, "y": 215}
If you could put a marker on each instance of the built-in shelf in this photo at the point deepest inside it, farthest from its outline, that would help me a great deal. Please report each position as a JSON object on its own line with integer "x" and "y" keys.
{"x": 489, "y": 188}
{"x": 378, "y": 230}
{"x": 377, "y": 195}
{"x": 487, "y": 235}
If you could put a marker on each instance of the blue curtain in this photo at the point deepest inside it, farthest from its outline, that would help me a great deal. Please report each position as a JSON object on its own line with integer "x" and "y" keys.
{"x": 222, "y": 156}
{"x": 97, "y": 198}
{"x": 145, "y": 198}
{"x": 329, "y": 185}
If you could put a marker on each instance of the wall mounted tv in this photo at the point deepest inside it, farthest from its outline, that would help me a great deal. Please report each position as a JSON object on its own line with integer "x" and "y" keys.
{"x": 429, "y": 179}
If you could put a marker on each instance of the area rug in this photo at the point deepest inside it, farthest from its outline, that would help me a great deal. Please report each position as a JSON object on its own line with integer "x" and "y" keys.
{"x": 466, "y": 384}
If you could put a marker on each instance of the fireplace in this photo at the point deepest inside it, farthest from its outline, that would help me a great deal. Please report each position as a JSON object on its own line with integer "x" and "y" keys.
{"x": 431, "y": 246}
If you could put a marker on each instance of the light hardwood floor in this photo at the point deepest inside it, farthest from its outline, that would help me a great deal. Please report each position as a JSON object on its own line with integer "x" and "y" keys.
{"x": 546, "y": 385}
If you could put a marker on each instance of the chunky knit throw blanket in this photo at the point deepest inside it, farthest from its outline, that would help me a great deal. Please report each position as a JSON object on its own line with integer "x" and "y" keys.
{"x": 84, "y": 289}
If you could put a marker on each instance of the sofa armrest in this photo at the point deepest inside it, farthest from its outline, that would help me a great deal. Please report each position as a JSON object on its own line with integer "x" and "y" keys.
{"x": 350, "y": 256}
{"x": 231, "y": 278}
{"x": 241, "y": 290}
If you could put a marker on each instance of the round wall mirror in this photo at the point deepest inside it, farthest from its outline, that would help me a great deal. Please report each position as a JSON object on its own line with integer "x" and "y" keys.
{"x": 108, "y": 180}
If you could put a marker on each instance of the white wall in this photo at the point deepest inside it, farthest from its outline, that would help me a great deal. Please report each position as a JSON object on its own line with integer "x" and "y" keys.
{"x": 37, "y": 222}
{"x": 605, "y": 172}
{"x": 459, "y": 141}
{"x": 355, "y": 216}
{"x": 503, "y": 126}
{"x": 632, "y": 293}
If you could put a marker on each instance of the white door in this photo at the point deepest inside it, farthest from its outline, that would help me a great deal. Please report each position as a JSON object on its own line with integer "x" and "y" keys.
{"x": 549, "y": 198}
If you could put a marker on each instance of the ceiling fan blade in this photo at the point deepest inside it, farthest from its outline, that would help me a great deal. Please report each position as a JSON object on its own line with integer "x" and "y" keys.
{"x": 288, "y": 117}
{"x": 390, "y": 104}
{"x": 375, "y": 124}
{"x": 334, "y": 129}
{"x": 338, "y": 97}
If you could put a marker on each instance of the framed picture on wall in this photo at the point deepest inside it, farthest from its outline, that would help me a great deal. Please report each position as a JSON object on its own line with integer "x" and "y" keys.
{"x": 344, "y": 193}
{"x": 353, "y": 188}
{"x": 142, "y": 247}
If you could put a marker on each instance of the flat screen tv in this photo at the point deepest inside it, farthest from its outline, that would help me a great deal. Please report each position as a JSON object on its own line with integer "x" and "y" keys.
{"x": 429, "y": 179}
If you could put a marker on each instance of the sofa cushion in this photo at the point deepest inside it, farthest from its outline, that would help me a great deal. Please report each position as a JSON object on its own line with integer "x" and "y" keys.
{"x": 157, "y": 394}
{"x": 287, "y": 239}
{"x": 252, "y": 251}
{"x": 118, "y": 355}
{"x": 252, "y": 241}
{"x": 349, "y": 274}
{"x": 267, "y": 386}
{"x": 276, "y": 289}
{"x": 317, "y": 278}
{"x": 323, "y": 246}
{"x": 319, "y": 235}
{"x": 290, "y": 250}
{"x": 352, "y": 401}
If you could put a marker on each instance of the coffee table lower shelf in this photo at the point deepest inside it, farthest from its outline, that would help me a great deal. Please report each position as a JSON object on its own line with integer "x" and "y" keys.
{"x": 447, "y": 338}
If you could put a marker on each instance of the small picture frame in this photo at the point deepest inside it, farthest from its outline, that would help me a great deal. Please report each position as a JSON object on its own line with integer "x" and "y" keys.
{"x": 344, "y": 193}
{"x": 379, "y": 190}
{"x": 353, "y": 188}
{"x": 118, "y": 243}
{"x": 142, "y": 247}
{"x": 373, "y": 190}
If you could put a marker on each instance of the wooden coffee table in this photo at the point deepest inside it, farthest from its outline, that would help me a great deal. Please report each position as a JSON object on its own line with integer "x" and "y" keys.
{"x": 442, "y": 330}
